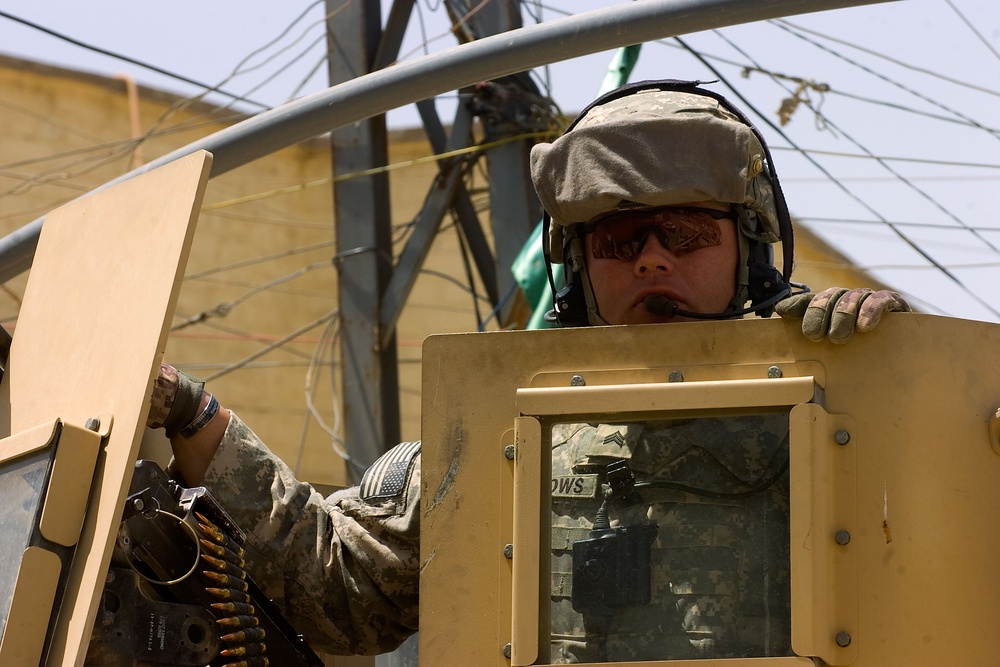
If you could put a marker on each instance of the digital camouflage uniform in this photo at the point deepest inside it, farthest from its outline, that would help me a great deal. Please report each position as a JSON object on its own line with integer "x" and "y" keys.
{"x": 344, "y": 568}
{"x": 716, "y": 492}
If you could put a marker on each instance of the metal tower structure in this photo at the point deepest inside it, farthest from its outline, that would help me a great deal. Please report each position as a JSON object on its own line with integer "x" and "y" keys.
{"x": 373, "y": 284}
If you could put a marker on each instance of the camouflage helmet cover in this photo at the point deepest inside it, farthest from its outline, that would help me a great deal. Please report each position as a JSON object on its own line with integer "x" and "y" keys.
{"x": 652, "y": 148}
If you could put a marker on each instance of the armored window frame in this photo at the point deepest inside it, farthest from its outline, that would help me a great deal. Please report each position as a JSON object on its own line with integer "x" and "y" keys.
{"x": 53, "y": 464}
{"x": 824, "y": 573}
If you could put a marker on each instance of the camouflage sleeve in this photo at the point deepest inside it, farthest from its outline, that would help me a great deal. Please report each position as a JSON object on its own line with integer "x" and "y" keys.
{"x": 345, "y": 567}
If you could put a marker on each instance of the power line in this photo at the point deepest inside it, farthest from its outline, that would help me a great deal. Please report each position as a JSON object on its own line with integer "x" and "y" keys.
{"x": 926, "y": 225}
{"x": 94, "y": 157}
{"x": 223, "y": 309}
{"x": 59, "y": 173}
{"x": 116, "y": 144}
{"x": 883, "y": 163}
{"x": 888, "y": 158}
{"x": 127, "y": 59}
{"x": 435, "y": 157}
{"x": 238, "y": 70}
{"x": 887, "y": 79}
{"x": 234, "y": 333}
{"x": 973, "y": 29}
{"x": 747, "y": 69}
{"x": 259, "y": 260}
{"x": 911, "y": 110}
{"x": 894, "y": 61}
{"x": 273, "y": 346}
{"x": 874, "y": 179}
{"x": 777, "y": 129}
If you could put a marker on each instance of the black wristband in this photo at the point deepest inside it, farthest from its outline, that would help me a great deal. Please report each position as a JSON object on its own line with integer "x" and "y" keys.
{"x": 185, "y": 408}
{"x": 202, "y": 421}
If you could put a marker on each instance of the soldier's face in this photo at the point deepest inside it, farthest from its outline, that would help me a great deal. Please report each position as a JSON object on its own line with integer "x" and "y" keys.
{"x": 700, "y": 278}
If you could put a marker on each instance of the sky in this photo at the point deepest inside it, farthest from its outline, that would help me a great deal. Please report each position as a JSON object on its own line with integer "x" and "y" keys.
{"x": 891, "y": 154}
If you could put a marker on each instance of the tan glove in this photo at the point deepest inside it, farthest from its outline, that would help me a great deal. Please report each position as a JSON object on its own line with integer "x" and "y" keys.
{"x": 837, "y": 312}
{"x": 175, "y": 401}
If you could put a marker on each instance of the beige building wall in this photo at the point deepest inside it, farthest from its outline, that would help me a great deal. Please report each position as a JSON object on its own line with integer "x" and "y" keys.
{"x": 261, "y": 266}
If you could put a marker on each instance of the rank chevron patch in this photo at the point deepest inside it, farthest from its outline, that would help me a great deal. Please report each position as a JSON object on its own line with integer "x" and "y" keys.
{"x": 616, "y": 438}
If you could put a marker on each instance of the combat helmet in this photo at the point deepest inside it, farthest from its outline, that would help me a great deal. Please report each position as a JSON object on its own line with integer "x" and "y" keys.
{"x": 660, "y": 143}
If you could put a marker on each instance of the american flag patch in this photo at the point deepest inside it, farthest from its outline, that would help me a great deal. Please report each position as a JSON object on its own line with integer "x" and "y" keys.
{"x": 388, "y": 477}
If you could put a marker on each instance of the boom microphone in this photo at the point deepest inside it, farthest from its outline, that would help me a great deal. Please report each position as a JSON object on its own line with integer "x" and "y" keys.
{"x": 658, "y": 304}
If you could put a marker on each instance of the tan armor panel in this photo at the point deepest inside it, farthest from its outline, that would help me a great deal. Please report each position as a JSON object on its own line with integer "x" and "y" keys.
{"x": 893, "y": 468}
{"x": 88, "y": 344}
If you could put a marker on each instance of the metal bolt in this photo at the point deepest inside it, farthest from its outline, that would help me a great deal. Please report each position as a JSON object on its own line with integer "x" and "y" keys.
{"x": 774, "y": 372}
{"x": 506, "y": 650}
{"x": 93, "y": 424}
{"x": 508, "y": 551}
{"x": 676, "y": 376}
{"x": 577, "y": 381}
{"x": 843, "y": 639}
{"x": 842, "y": 537}
{"x": 508, "y": 451}
{"x": 842, "y": 437}
{"x": 138, "y": 505}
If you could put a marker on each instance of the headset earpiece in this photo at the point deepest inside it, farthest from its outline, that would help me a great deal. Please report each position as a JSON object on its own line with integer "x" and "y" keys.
{"x": 764, "y": 280}
{"x": 571, "y": 303}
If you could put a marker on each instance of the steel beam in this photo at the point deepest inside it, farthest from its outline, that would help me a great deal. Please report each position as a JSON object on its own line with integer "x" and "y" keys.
{"x": 465, "y": 210}
{"x": 392, "y": 35}
{"x": 368, "y": 363}
{"x": 439, "y": 199}
{"x": 514, "y": 208}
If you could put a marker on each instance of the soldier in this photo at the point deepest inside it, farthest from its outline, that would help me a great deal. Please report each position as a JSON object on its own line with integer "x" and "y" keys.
{"x": 663, "y": 204}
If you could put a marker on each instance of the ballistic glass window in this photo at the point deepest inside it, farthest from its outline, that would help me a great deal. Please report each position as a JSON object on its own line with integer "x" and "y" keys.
{"x": 45, "y": 478}
{"x": 670, "y": 539}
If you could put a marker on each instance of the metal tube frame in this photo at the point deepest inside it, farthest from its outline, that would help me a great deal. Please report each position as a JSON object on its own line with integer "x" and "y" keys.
{"x": 484, "y": 59}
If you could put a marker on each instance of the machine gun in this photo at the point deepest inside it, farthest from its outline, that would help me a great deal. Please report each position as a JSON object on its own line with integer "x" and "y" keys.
{"x": 178, "y": 593}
